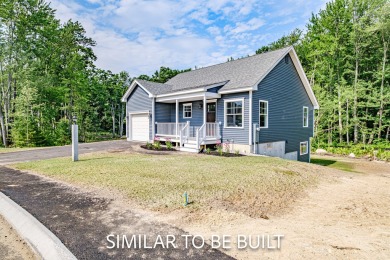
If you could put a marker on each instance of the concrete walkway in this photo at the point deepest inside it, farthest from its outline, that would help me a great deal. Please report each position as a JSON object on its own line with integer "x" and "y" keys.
{"x": 82, "y": 221}
{"x": 62, "y": 151}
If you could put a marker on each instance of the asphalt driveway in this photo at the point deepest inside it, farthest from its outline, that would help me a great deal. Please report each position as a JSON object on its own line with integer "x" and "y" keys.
{"x": 62, "y": 151}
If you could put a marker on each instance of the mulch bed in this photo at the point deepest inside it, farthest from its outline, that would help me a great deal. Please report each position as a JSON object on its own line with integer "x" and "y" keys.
{"x": 215, "y": 153}
{"x": 162, "y": 149}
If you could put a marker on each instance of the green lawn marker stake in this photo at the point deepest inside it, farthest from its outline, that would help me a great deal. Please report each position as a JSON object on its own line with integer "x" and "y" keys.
{"x": 185, "y": 195}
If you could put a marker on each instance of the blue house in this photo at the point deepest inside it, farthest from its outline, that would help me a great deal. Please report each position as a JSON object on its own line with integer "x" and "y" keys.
{"x": 261, "y": 104}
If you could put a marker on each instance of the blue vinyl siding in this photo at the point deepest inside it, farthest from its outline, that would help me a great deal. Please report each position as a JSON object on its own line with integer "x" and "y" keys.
{"x": 139, "y": 101}
{"x": 167, "y": 113}
{"x": 197, "y": 113}
{"x": 286, "y": 96}
{"x": 236, "y": 135}
{"x": 215, "y": 89}
{"x": 163, "y": 112}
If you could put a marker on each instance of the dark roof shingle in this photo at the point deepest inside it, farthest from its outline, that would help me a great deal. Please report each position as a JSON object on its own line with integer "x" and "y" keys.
{"x": 241, "y": 73}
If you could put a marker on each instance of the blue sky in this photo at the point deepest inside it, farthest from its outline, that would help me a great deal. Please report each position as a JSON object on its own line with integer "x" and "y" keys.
{"x": 139, "y": 36}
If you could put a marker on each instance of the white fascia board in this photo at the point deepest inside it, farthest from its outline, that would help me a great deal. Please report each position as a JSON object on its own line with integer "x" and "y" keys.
{"x": 180, "y": 97}
{"x": 188, "y": 95}
{"x": 201, "y": 90}
{"x": 303, "y": 77}
{"x": 238, "y": 90}
{"x": 195, "y": 90}
{"x": 131, "y": 88}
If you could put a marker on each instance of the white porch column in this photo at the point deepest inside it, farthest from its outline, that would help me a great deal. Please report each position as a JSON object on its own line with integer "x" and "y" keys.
{"x": 204, "y": 109}
{"x": 250, "y": 118}
{"x": 177, "y": 117}
{"x": 153, "y": 118}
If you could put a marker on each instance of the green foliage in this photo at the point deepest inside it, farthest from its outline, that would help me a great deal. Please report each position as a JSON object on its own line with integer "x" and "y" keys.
{"x": 219, "y": 148}
{"x": 163, "y": 75}
{"x": 157, "y": 145}
{"x": 169, "y": 145}
{"x": 47, "y": 75}
{"x": 287, "y": 40}
{"x": 208, "y": 150}
{"x": 226, "y": 147}
{"x": 149, "y": 146}
{"x": 344, "y": 52}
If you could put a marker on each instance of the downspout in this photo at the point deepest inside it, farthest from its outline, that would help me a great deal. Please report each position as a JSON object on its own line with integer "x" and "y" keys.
{"x": 204, "y": 109}
{"x": 177, "y": 117}
{"x": 250, "y": 120}
{"x": 153, "y": 118}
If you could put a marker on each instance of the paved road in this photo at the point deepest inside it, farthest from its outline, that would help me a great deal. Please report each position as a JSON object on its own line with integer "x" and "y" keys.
{"x": 61, "y": 151}
{"x": 83, "y": 222}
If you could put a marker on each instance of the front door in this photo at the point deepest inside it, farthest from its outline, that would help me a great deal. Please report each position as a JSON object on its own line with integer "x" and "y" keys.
{"x": 211, "y": 112}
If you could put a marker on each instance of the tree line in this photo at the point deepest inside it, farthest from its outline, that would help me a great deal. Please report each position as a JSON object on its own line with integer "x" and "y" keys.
{"x": 47, "y": 75}
{"x": 344, "y": 52}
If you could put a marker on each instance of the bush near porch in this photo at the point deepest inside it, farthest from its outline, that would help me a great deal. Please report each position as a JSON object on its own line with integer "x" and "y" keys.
{"x": 256, "y": 186}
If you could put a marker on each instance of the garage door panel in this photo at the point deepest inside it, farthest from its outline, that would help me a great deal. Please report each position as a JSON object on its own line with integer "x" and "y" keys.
{"x": 140, "y": 127}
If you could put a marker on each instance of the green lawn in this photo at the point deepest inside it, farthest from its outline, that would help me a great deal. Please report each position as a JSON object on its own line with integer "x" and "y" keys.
{"x": 340, "y": 165}
{"x": 252, "y": 185}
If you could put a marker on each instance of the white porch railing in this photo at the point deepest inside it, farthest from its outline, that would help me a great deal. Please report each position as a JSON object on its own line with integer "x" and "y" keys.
{"x": 212, "y": 130}
{"x": 185, "y": 133}
{"x": 169, "y": 129}
{"x": 200, "y": 135}
{"x": 207, "y": 130}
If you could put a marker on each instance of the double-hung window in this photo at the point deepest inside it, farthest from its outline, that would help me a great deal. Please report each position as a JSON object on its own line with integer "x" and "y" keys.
{"x": 234, "y": 113}
{"x": 187, "y": 110}
{"x": 263, "y": 114}
{"x": 304, "y": 149}
{"x": 305, "y": 116}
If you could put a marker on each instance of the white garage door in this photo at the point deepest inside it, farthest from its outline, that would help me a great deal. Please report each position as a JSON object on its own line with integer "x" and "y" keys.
{"x": 140, "y": 127}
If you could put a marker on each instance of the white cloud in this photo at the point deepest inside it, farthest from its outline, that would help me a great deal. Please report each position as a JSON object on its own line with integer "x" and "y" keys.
{"x": 253, "y": 24}
{"x": 140, "y": 36}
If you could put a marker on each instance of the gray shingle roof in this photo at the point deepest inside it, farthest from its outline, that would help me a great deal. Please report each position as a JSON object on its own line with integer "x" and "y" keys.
{"x": 241, "y": 73}
{"x": 154, "y": 87}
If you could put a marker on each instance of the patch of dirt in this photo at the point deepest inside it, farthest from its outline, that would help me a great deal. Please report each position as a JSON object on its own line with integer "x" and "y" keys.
{"x": 347, "y": 216}
{"x": 11, "y": 245}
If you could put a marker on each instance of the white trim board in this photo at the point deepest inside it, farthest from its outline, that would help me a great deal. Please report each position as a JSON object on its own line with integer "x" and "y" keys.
{"x": 266, "y": 126}
{"x": 243, "y": 112}
{"x": 131, "y": 89}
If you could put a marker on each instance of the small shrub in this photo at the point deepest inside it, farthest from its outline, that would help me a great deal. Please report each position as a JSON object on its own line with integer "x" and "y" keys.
{"x": 237, "y": 152}
{"x": 208, "y": 150}
{"x": 219, "y": 148}
{"x": 157, "y": 145}
{"x": 227, "y": 147}
{"x": 169, "y": 144}
{"x": 149, "y": 146}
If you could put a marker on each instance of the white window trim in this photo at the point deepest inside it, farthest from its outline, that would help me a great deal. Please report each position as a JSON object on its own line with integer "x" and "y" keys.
{"x": 185, "y": 105}
{"x": 307, "y": 147}
{"x": 243, "y": 113}
{"x": 265, "y": 101}
{"x": 303, "y": 117}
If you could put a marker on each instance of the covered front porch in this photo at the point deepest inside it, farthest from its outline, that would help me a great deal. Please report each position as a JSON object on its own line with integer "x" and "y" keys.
{"x": 188, "y": 121}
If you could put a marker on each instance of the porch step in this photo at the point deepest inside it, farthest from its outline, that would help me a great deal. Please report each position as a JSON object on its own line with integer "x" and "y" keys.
{"x": 190, "y": 150}
{"x": 191, "y": 145}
